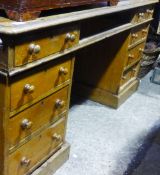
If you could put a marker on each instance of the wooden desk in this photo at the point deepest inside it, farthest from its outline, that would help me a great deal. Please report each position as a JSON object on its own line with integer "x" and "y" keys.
{"x": 37, "y": 64}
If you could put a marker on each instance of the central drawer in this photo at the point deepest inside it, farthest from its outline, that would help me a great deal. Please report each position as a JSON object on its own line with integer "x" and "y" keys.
{"x": 36, "y": 85}
{"x": 36, "y": 117}
{"x": 37, "y": 150}
{"x": 40, "y": 48}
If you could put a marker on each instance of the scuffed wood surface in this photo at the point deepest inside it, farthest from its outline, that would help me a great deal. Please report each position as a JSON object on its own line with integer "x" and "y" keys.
{"x": 12, "y": 28}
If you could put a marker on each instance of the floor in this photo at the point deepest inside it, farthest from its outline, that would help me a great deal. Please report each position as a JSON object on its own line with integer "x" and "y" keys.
{"x": 126, "y": 141}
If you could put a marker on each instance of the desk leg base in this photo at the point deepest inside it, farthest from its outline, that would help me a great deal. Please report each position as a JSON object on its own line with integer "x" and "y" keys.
{"x": 54, "y": 162}
{"x": 105, "y": 97}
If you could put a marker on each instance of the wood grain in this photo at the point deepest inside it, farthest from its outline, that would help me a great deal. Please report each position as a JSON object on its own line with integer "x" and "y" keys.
{"x": 102, "y": 64}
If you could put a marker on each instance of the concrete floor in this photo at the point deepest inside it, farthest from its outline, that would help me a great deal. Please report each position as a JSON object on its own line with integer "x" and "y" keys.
{"x": 105, "y": 141}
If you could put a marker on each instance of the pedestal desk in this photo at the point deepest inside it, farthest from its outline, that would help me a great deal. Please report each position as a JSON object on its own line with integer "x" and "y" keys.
{"x": 37, "y": 64}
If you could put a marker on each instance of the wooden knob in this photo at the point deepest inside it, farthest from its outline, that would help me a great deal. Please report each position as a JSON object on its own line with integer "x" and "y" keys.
{"x": 63, "y": 71}
{"x": 141, "y": 50}
{"x": 26, "y": 124}
{"x": 70, "y": 37}
{"x": 134, "y": 35}
{"x": 33, "y": 48}
{"x": 150, "y": 11}
{"x": 131, "y": 56}
{"x": 141, "y": 15}
{"x": 145, "y": 31}
{"x": 57, "y": 137}
{"x": 25, "y": 161}
{"x": 28, "y": 88}
{"x": 60, "y": 103}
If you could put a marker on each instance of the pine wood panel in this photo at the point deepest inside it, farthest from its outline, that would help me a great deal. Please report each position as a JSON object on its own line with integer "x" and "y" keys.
{"x": 102, "y": 64}
{"x": 104, "y": 97}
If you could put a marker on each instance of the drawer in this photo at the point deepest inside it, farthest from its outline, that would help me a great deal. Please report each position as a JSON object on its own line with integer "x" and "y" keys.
{"x": 36, "y": 85}
{"x": 129, "y": 75}
{"x": 138, "y": 34}
{"x": 143, "y": 14}
{"x": 135, "y": 54}
{"x": 36, "y": 150}
{"x": 37, "y": 116}
{"x": 34, "y": 50}
{"x": 135, "y": 70}
{"x": 126, "y": 77}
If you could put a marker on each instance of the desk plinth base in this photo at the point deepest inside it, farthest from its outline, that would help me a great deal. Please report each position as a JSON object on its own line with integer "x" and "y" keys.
{"x": 105, "y": 97}
{"x": 54, "y": 162}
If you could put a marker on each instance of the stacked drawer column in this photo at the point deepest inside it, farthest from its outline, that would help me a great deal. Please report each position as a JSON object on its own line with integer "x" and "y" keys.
{"x": 110, "y": 67}
{"x": 34, "y": 101}
{"x": 136, "y": 44}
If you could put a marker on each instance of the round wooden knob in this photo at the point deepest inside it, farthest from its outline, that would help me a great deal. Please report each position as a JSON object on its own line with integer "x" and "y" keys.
{"x": 25, "y": 161}
{"x": 145, "y": 31}
{"x": 28, "y": 88}
{"x": 70, "y": 37}
{"x": 33, "y": 48}
{"x": 141, "y": 15}
{"x": 60, "y": 103}
{"x": 26, "y": 124}
{"x": 57, "y": 137}
{"x": 131, "y": 56}
{"x": 150, "y": 11}
{"x": 141, "y": 50}
{"x": 134, "y": 35}
{"x": 63, "y": 71}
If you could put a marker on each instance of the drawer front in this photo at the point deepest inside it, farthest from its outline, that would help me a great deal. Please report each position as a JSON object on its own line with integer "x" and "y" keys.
{"x": 126, "y": 77}
{"x": 143, "y": 14}
{"x": 30, "y": 154}
{"x": 37, "y": 116}
{"x": 130, "y": 74}
{"x": 135, "y": 54}
{"x": 25, "y": 90}
{"x": 41, "y": 48}
{"x": 135, "y": 70}
{"x": 138, "y": 34}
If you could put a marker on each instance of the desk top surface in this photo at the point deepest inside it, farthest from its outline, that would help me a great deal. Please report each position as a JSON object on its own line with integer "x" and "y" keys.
{"x": 9, "y": 27}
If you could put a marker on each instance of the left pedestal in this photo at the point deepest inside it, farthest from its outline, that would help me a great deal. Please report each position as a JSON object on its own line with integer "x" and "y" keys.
{"x": 34, "y": 103}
